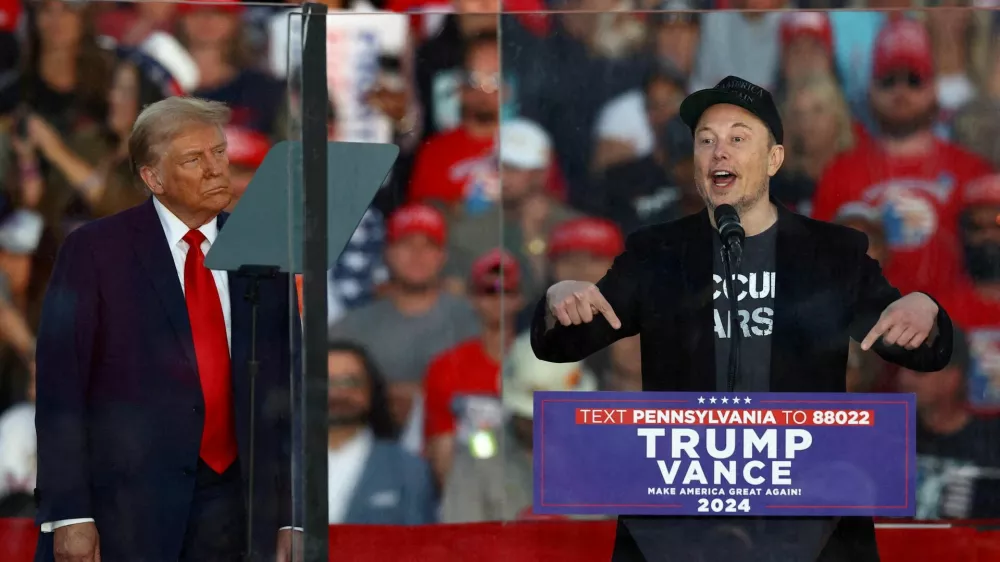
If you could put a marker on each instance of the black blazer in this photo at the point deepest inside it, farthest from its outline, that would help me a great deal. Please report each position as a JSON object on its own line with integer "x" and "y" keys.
{"x": 119, "y": 410}
{"x": 827, "y": 292}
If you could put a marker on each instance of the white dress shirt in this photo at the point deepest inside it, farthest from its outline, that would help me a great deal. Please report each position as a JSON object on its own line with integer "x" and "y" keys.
{"x": 174, "y": 229}
{"x": 346, "y": 465}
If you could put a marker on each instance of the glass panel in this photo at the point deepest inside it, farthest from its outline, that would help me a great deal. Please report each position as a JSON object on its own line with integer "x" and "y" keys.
{"x": 887, "y": 129}
{"x": 145, "y": 407}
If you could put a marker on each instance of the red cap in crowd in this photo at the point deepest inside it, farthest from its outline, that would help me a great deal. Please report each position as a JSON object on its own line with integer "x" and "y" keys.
{"x": 597, "y": 236}
{"x": 10, "y": 14}
{"x": 903, "y": 44}
{"x": 815, "y": 25}
{"x": 189, "y": 6}
{"x": 495, "y": 270}
{"x": 983, "y": 191}
{"x": 416, "y": 218}
{"x": 246, "y": 147}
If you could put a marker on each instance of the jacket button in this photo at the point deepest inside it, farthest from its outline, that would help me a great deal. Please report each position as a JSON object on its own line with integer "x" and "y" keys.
{"x": 196, "y": 409}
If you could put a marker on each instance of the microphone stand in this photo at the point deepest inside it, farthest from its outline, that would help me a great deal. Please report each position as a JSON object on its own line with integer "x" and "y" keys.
{"x": 732, "y": 251}
{"x": 254, "y": 273}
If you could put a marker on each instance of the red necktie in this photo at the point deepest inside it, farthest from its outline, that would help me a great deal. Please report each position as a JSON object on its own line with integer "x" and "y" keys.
{"x": 211, "y": 348}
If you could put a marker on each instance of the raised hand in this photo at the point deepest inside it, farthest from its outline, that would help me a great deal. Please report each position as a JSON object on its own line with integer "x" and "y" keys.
{"x": 908, "y": 322}
{"x": 578, "y": 302}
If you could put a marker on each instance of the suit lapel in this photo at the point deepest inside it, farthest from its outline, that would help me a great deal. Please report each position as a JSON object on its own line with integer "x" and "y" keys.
{"x": 154, "y": 255}
{"x": 793, "y": 256}
{"x": 697, "y": 328}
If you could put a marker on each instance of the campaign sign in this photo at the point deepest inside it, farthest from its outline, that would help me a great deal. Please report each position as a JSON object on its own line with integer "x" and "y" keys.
{"x": 682, "y": 453}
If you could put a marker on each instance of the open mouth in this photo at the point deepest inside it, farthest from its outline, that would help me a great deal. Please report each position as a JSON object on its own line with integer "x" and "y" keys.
{"x": 723, "y": 178}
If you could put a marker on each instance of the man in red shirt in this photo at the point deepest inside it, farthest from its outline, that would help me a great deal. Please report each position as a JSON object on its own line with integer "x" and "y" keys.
{"x": 911, "y": 177}
{"x": 457, "y": 166}
{"x": 976, "y": 302}
{"x": 472, "y": 368}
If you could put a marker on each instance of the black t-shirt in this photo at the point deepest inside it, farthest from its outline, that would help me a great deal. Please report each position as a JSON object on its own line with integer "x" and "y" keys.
{"x": 755, "y": 279}
{"x": 958, "y": 475}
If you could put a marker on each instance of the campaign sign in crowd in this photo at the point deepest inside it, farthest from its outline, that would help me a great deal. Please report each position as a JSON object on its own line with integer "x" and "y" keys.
{"x": 685, "y": 453}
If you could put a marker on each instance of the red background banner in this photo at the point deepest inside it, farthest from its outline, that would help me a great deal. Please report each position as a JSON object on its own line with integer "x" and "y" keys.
{"x": 555, "y": 541}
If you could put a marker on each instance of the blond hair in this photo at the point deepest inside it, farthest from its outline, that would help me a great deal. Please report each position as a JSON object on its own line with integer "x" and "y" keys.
{"x": 160, "y": 122}
{"x": 824, "y": 86}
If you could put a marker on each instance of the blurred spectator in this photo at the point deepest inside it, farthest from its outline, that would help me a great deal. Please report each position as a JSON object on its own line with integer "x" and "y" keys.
{"x": 413, "y": 320}
{"x": 565, "y": 78}
{"x": 457, "y": 167}
{"x": 496, "y": 485}
{"x": 370, "y": 59}
{"x": 818, "y": 129}
{"x": 91, "y": 174}
{"x": 676, "y": 34}
{"x": 975, "y": 305}
{"x": 583, "y": 249}
{"x": 627, "y": 126}
{"x": 854, "y": 33}
{"x": 66, "y": 74}
{"x": 624, "y": 373}
{"x": 866, "y": 370}
{"x": 473, "y": 366}
{"x": 214, "y": 35}
{"x": 373, "y": 481}
{"x": 976, "y": 126}
{"x": 439, "y": 68}
{"x": 655, "y": 188}
{"x": 246, "y": 149}
{"x": 525, "y": 216}
{"x": 129, "y": 24}
{"x": 958, "y": 468}
{"x": 806, "y": 49}
{"x": 746, "y": 44}
{"x": 913, "y": 178}
{"x": 18, "y": 450}
{"x": 950, "y": 30}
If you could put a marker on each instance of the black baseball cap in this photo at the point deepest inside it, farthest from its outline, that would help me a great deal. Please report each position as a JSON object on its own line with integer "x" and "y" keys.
{"x": 739, "y": 92}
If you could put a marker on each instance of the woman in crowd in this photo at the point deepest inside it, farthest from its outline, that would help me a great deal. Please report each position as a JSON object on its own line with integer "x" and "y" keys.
{"x": 819, "y": 128}
{"x": 94, "y": 179}
{"x": 66, "y": 73}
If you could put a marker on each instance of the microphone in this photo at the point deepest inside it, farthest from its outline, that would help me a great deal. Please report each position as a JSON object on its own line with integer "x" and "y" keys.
{"x": 727, "y": 220}
{"x": 732, "y": 234}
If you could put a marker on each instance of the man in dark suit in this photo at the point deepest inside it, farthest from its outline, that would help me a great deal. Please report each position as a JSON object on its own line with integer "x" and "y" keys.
{"x": 142, "y": 395}
{"x": 806, "y": 288}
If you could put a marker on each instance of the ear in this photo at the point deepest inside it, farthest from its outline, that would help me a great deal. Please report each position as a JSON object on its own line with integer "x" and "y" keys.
{"x": 151, "y": 178}
{"x": 775, "y": 159}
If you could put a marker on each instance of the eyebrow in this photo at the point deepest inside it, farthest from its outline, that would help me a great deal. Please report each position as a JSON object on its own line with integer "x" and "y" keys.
{"x": 739, "y": 124}
{"x": 193, "y": 151}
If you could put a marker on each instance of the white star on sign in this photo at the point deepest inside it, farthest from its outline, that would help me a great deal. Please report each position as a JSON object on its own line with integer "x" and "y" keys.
{"x": 701, "y": 399}
{"x": 712, "y": 400}
{"x": 736, "y": 400}
{"x": 725, "y": 400}
{"x": 747, "y": 399}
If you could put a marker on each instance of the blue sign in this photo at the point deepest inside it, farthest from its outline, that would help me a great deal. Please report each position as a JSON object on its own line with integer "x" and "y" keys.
{"x": 682, "y": 453}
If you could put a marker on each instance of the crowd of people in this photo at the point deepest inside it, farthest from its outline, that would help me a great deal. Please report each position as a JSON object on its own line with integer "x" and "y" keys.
{"x": 531, "y": 145}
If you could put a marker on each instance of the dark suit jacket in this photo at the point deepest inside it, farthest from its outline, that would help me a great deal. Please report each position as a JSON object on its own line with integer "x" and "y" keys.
{"x": 827, "y": 291}
{"x": 119, "y": 402}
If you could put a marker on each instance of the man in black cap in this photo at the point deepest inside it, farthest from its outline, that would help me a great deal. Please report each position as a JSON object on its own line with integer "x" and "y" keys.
{"x": 668, "y": 286}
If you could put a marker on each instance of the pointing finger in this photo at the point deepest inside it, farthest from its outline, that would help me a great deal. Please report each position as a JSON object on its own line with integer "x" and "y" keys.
{"x": 876, "y": 332}
{"x": 605, "y": 309}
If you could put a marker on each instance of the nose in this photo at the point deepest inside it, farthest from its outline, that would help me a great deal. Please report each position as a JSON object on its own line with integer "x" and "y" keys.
{"x": 214, "y": 164}
{"x": 720, "y": 152}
